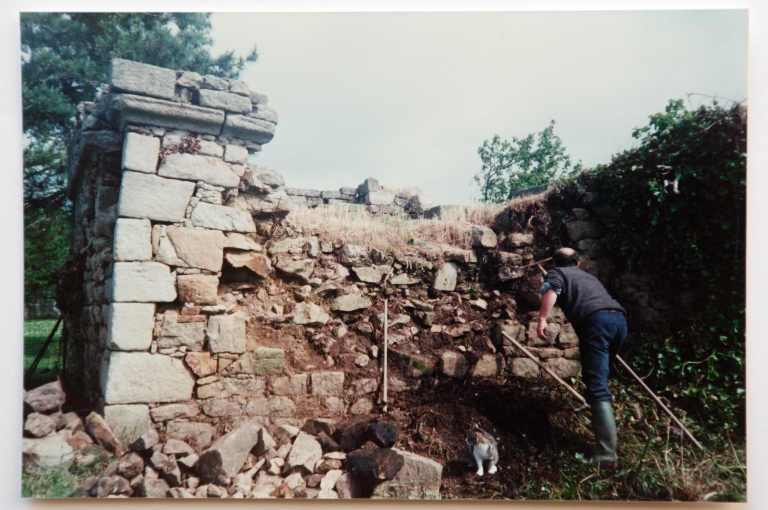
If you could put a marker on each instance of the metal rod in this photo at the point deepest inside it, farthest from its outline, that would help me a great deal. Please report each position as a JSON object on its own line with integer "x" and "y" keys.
{"x": 547, "y": 369}
{"x": 41, "y": 353}
{"x": 661, "y": 404}
{"x": 386, "y": 348}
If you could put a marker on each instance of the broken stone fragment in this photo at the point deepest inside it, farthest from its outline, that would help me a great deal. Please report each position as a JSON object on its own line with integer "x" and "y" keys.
{"x": 419, "y": 478}
{"x": 201, "y": 363}
{"x": 98, "y": 428}
{"x": 369, "y": 274}
{"x": 482, "y": 237}
{"x": 256, "y": 262}
{"x": 404, "y": 279}
{"x": 301, "y": 269}
{"x": 240, "y": 242}
{"x": 375, "y": 464}
{"x": 446, "y": 277}
{"x": 46, "y": 398}
{"x": 147, "y": 440}
{"x": 227, "y": 455}
{"x": 128, "y": 422}
{"x": 454, "y": 364}
{"x": 384, "y": 435}
{"x": 489, "y": 365}
{"x": 39, "y": 425}
{"x": 304, "y": 455}
{"x": 354, "y": 255}
{"x": 350, "y": 303}
{"x": 309, "y": 314}
{"x": 519, "y": 240}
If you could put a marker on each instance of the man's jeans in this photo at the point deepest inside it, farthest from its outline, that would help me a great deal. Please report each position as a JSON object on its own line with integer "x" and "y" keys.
{"x": 600, "y": 338}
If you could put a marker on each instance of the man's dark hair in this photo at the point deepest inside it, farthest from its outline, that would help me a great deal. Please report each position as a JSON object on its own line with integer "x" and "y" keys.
{"x": 568, "y": 259}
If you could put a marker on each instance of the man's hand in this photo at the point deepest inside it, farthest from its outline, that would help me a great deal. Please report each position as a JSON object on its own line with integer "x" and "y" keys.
{"x": 541, "y": 330}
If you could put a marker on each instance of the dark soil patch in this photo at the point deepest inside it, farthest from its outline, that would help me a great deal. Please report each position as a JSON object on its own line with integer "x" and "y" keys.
{"x": 528, "y": 418}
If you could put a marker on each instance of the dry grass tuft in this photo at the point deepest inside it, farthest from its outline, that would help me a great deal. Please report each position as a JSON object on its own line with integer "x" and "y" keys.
{"x": 391, "y": 233}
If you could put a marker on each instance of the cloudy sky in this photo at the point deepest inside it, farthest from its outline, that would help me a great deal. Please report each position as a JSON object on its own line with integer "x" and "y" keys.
{"x": 409, "y": 97}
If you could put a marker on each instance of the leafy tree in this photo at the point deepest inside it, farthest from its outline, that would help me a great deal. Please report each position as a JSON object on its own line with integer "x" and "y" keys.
{"x": 65, "y": 57}
{"x": 510, "y": 166}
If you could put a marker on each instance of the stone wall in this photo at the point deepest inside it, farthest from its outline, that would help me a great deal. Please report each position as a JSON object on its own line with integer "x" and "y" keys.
{"x": 155, "y": 159}
{"x": 370, "y": 196}
{"x": 189, "y": 317}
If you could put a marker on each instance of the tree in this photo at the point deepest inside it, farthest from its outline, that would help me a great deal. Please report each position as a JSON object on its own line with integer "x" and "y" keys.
{"x": 65, "y": 57}
{"x": 535, "y": 160}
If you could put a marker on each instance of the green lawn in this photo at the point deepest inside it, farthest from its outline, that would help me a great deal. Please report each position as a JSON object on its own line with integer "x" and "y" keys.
{"x": 35, "y": 334}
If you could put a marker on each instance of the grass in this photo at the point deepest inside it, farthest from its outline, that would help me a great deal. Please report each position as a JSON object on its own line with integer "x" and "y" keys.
{"x": 62, "y": 482}
{"x": 391, "y": 233}
{"x": 35, "y": 333}
{"x": 656, "y": 463}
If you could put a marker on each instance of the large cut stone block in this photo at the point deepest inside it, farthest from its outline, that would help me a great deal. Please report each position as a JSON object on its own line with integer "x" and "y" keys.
{"x": 128, "y": 422}
{"x": 133, "y": 240}
{"x": 130, "y": 109}
{"x": 144, "y": 79}
{"x": 226, "y": 333}
{"x": 190, "y": 247}
{"x": 247, "y": 128}
{"x": 153, "y": 197}
{"x": 142, "y": 282}
{"x": 139, "y": 378}
{"x": 199, "y": 289}
{"x": 225, "y": 101}
{"x": 192, "y": 167}
{"x": 175, "y": 334}
{"x": 220, "y": 217}
{"x": 130, "y": 326}
{"x": 140, "y": 153}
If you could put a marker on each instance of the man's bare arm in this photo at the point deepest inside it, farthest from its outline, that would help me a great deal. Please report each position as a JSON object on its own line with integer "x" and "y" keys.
{"x": 547, "y": 302}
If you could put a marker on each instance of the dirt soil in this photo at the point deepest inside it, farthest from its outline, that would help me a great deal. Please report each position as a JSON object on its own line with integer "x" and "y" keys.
{"x": 526, "y": 417}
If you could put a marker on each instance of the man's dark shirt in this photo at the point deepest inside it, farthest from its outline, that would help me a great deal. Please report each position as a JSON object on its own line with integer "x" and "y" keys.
{"x": 579, "y": 294}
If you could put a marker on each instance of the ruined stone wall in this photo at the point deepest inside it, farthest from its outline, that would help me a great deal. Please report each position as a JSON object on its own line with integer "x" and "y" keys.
{"x": 154, "y": 159}
{"x": 189, "y": 315}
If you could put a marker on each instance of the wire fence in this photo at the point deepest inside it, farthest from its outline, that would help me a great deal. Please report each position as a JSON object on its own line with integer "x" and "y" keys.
{"x": 36, "y": 332}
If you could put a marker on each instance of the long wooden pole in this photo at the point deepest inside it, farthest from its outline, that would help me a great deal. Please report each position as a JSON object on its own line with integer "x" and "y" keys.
{"x": 660, "y": 403}
{"x": 547, "y": 369}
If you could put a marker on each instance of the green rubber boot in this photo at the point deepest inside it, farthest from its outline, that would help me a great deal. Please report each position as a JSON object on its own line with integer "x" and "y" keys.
{"x": 604, "y": 427}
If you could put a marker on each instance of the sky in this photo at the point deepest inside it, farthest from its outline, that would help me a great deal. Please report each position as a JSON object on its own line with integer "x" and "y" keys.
{"x": 408, "y": 98}
{"x": 409, "y": 104}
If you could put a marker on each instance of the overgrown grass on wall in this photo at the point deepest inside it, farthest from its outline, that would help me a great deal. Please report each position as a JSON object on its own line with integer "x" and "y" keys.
{"x": 393, "y": 233}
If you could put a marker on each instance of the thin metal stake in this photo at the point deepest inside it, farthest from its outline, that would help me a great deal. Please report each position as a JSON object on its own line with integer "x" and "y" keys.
{"x": 386, "y": 348}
